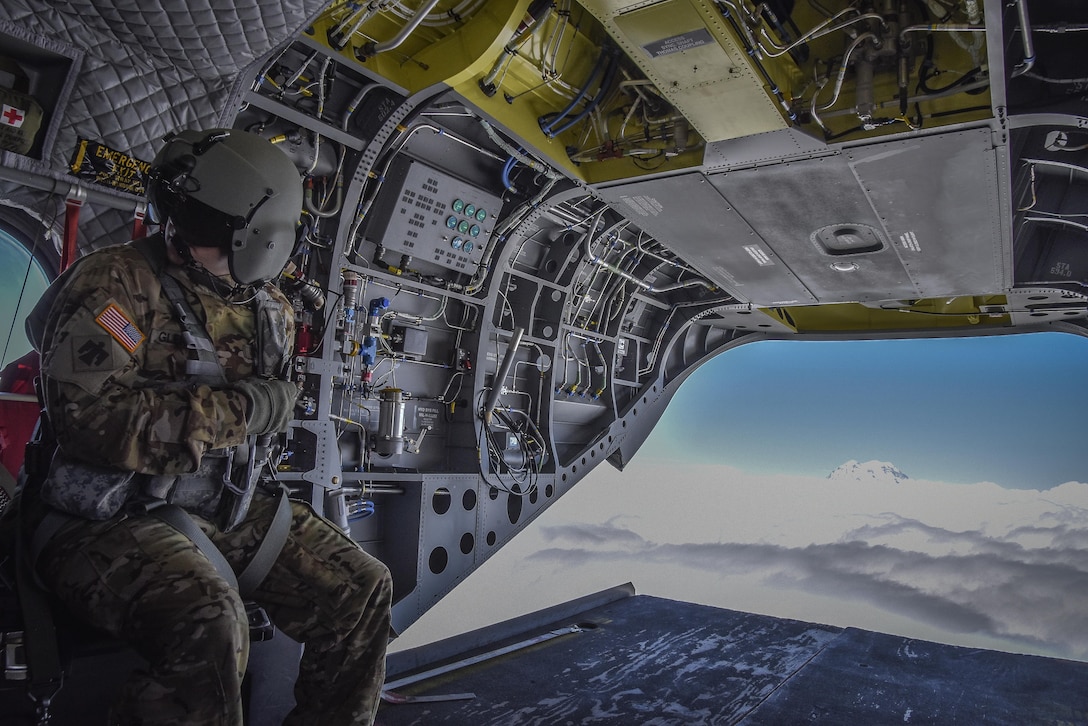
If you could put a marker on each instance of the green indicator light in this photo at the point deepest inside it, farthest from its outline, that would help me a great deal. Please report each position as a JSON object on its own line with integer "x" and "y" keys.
{"x": 462, "y": 227}
{"x": 470, "y": 210}
{"x": 481, "y": 214}
{"x": 451, "y": 222}
{"x": 474, "y": 230}
{"x": 458, "y": 205}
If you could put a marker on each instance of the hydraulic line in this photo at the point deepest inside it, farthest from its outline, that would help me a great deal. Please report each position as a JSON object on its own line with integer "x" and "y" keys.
{"x": 845, "y": 63}
{"x": 506, "y": 169}
{"x": 1025, "y": 35}
{"x": 1061, "y": 28}
{"x": 528, "y": 27}
{"x": 941, "y": 27}
{"x": 818, "y": 32}
{"x": 456, "y": 14}
{"x": 741, "y": 28}
{"x": 512, "y": 221}
{"x": 597, "y": 67}
{"x": 371, "y": 48}
{"x": 646, "y": 287}
{"x": 500, "y": 375}
{"x": 323, "y": 211}
{"x": 651, "y": 355}
{"x": 339, "y": 37}
{"x": 944, "y": 93}
{"x": 606, "y": 83}
{"x": 611, "y": 288}
{"x": 516, "y": 153}
{"x": 842, "y": 70}
{"x": 1058, "y": 220}
{"x": 547, "y": 122}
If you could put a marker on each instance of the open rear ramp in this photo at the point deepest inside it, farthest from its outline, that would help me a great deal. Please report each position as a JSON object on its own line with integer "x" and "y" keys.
{"x": 626, "y": 659}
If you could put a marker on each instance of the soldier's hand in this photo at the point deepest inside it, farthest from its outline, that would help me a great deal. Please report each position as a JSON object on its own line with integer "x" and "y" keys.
{"x": 271, "y": 404}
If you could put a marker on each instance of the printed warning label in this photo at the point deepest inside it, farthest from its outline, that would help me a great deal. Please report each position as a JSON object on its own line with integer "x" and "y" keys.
{"x": 759, "y": 255}
{"x": 100, "y": 164}
{"x": 427, "y": 416}
{"x": 679, "y": 43}
{"x": 643, "y": 205}
{"x": 910, "y": 242}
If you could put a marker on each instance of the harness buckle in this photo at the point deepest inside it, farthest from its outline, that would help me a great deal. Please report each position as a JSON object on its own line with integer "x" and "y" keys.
{"x": 15, "y": 666}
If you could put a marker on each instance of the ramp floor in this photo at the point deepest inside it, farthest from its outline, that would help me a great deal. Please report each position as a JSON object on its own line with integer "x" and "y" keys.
{"x": 648, "y": 660}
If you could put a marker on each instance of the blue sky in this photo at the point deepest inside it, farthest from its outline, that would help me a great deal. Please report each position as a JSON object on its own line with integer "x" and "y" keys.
{"x": 1005, "y": 409}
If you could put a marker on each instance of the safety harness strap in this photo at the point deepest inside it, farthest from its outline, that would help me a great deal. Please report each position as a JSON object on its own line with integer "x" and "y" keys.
{"x": 180, "y": 520}
{"x": 40, "y": 636}
{"x": 203, "y": 363}
{"x": 43, "y": 534}
{"x": 246, "y": 583}
{"x": 269, "y": 551}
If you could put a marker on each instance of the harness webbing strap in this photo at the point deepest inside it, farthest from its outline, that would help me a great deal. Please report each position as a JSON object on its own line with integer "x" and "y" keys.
{"x": 40, "y": 639}
{"x": 246, "y": 583}
{"x": 206, "y": 364}
{"x": 269, "y": 551}
{"x": 44, "y": 533}
{"x": 180, "y": 520}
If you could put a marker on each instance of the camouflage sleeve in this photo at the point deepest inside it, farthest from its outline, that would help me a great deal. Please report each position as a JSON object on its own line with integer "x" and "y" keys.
{"x": 111, "y": 396}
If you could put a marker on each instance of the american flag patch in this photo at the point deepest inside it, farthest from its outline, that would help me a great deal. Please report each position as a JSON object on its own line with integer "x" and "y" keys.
{"x": 120, "y": 327}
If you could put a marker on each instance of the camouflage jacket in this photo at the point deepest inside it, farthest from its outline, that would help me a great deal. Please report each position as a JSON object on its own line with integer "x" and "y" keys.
{"x": 114, "y": 355}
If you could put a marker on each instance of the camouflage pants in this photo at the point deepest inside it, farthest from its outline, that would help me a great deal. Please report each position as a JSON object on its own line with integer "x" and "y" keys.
{"x": 141, "y": 580}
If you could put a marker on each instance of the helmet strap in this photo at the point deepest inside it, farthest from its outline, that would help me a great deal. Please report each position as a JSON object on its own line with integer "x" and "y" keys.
{"x": 173, "y": 239}
{"x": 230, "y": 293}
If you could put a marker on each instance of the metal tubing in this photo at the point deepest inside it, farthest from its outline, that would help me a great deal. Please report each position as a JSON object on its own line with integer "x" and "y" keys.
{"x": 64, "y": 187}
{"x": 18, "y": 397}
{"x": 500, "y": 375}
{"x": 409, "y": 27}
{"x": 442, "y": 670}
{"x": 1025, "y": 36}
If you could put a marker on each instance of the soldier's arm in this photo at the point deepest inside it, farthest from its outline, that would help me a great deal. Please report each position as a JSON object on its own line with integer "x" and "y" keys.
{"x": 104, "y": 407}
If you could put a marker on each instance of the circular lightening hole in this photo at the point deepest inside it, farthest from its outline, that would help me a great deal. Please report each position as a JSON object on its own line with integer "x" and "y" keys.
{"x": 440, "y": 502}
{"x": 438, "y": 560}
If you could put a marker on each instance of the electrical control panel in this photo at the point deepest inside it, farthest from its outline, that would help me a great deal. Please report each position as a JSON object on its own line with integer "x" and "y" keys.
{"x": 433, "y": 216}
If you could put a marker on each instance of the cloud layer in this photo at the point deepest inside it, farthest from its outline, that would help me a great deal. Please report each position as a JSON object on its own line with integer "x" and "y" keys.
{"x": 972, "y": 564}
{"x": 1008, "y": 565}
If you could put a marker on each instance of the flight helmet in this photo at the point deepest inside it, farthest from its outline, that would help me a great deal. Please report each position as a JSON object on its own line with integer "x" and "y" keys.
{"x": 229, "y": 189}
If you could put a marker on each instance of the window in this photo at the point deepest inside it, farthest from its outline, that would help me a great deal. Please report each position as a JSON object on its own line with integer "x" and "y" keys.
{"x": 25, "y": 272}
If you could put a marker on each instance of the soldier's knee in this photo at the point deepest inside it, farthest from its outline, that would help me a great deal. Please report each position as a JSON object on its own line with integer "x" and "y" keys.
{"x": 375, "y": 574}
{"x": 373, "y": 590}
{"x": 217, "y": 623}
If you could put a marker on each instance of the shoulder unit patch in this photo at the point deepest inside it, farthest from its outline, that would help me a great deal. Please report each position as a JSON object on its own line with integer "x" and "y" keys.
{"x": 123, "y": 330}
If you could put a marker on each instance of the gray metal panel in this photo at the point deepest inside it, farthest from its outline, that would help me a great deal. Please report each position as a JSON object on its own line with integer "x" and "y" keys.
{"x": 633, "y": 660}
{"x": 867, "y": 678}
{"x": 761, "y": 148}
{"x": 938, "y": 198}
{"x": 693, "y": 664}
{"x": 810, "y": 195}
{"x": 688, "y": 215}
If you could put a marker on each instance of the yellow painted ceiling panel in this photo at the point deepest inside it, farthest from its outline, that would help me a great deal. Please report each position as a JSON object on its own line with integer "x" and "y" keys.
{"x": 694, "y": 64}
{"x": 675, "y": 41}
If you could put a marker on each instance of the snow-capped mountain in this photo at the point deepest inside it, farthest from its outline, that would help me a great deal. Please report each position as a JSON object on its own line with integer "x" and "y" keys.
{"x": 869, "y": 471}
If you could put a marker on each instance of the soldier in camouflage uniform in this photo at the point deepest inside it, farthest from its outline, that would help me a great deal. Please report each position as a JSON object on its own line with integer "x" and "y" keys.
{"x": 119, "y": 398}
